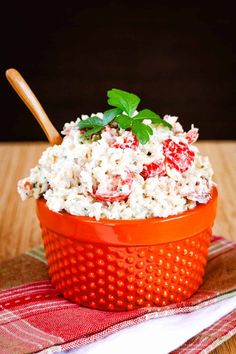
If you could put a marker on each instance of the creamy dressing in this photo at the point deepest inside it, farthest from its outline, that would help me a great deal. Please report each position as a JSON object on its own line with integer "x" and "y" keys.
{"x": 105, "y": 179}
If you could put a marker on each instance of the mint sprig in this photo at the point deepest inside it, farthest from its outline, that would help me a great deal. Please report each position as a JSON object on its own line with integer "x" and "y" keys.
{"x": 125, "y": 104}
{"x": 142, "y": 131}
{"x": 124, "y": 121}
{"x": 110, "y": 114}
{"x": 155, "y": 118}
{"x": 96, "y": 124}
{"x": 91, "y": 122}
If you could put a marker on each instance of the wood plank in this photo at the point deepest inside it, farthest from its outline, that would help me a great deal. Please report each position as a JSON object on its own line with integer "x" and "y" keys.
{"x": 19, "y": 229}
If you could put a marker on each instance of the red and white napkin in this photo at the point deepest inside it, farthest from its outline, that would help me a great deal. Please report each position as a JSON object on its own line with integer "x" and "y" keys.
{"x": 35, "y": 318}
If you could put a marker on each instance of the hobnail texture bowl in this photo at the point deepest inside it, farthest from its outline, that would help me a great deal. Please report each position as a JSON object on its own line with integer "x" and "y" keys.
{"x": 121, "y": 265}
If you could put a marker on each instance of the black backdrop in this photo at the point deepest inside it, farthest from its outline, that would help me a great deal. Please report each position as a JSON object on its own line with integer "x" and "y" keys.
{"x": 180, "y": 57}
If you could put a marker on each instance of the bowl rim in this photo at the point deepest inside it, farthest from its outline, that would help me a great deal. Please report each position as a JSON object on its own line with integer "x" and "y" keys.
{"x": 196, "y": 209}
{"x": 132, "y": 232}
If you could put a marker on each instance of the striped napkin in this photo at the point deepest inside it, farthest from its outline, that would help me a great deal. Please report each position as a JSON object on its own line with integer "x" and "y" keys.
{"x": 34, "y": 317}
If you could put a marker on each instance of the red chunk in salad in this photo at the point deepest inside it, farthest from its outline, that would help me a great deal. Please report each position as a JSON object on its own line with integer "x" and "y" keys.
{"x": 153, "y": 169}
{"x": 192, "y": 135}
{"x": 120, "y": 190}
{"x": 178, "y": 155}
{"x": 128, "y": 142}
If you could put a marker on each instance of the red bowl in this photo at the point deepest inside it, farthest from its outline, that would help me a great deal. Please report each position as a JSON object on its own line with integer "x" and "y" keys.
{"x": 125, "y": 264}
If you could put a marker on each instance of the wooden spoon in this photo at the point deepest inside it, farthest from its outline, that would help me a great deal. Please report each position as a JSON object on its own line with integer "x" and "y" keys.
{"x": 26, "y": 94}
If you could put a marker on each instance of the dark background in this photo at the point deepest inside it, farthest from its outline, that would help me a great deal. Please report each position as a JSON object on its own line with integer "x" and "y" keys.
{"x": 179, "y": 57}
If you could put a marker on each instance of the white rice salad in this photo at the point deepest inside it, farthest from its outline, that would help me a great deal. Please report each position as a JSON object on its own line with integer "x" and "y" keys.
{"x": 113, "y": 176}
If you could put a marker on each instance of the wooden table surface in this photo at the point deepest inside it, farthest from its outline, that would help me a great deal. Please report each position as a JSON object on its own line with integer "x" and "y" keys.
{"x": 19, "y": 229}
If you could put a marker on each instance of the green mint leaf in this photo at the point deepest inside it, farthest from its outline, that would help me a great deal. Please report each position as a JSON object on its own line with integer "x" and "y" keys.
{"x": 127, "y": 102}
{"x": 142, "y": 131}
{"x": 110, "y": 114}
{"x": 155, "y": 118}
{"x": 94, "y": 130}
{"x": 148, "y": 114}
{"x": 90, "y": 122}
{"x": 124, "y": 121}
{"x": 148, "y": 129}
{"x": 165, "y": 124}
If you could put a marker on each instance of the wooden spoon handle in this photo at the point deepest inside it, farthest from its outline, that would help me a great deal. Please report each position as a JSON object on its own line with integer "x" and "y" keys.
{"x": 26, "y": 94}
